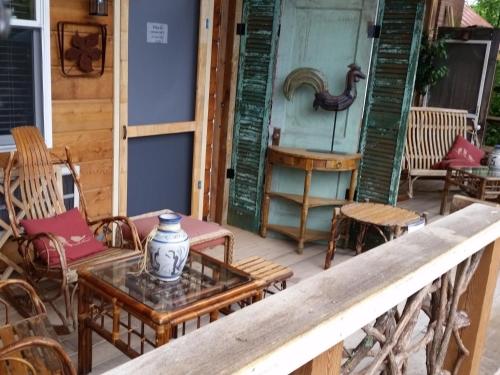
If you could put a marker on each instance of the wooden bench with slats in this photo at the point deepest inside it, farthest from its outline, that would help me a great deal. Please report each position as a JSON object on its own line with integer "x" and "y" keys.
{"x": 431, "y": 133}
{"x": 274, "y": 275}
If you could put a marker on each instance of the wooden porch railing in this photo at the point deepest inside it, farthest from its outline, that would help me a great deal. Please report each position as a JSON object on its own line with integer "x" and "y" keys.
{"x": 441, "y": 271}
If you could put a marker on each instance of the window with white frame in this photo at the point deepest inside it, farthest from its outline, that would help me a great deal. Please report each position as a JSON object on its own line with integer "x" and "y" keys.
{"x": 25, "y": 92}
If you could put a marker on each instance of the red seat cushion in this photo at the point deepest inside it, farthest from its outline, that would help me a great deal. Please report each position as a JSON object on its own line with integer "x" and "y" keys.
{"x": 193, "y": 228}
{"x": 71, "y": 230}
{"x": 462, "y": 154}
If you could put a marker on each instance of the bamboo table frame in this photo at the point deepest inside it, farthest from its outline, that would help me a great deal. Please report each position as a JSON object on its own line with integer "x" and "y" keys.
{"x": 308, "y": 161}
{"x": 100, "y": 302}
{"x": 478, "y": 182}
{"x": 371, "y": 215}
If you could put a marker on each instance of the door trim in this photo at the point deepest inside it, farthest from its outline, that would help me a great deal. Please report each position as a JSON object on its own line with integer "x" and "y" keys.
{"x": 198, "y": 127}
{"x": 475, "y": 117}
{"x": 160, "y": 129}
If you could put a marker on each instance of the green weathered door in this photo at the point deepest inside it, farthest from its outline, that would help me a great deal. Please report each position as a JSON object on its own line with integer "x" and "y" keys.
{"x": 327, "y": 35}
{"x": 389, "y": 100}
{"x": 253, "y": 103}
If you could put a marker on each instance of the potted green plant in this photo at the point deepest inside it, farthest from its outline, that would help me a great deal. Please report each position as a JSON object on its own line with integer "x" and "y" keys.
{"x": 431, "y": 68}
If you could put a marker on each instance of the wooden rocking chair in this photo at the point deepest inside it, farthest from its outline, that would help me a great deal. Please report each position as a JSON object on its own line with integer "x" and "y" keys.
{"x": 29, "y": 346}
{"x": 40, "y": 197}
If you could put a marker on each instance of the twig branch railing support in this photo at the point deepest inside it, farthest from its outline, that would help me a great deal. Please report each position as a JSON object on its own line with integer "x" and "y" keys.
{"x": 381, "y": 292}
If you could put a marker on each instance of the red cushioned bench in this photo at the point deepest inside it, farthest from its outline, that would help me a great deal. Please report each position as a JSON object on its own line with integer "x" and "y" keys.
{"x": 202, "y": 235}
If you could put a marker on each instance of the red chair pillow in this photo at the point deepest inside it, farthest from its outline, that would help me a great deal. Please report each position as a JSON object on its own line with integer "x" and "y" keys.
{"x": 71, "y": 230}
{"x": 462, "y": 154}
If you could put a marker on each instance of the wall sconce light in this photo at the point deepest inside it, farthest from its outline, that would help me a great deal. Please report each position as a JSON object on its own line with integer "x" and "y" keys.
{"x": 98, "y": 7}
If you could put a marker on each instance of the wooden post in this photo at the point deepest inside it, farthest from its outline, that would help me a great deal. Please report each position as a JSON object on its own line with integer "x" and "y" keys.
{"x": 327, "y": 363}
{"x": 477, "y": 301}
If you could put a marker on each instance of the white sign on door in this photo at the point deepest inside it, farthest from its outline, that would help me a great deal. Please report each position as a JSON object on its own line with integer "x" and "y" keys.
{"x": 157, "y": 33}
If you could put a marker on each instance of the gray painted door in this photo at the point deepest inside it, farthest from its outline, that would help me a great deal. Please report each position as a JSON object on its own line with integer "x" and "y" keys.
{"x": 164, "y": 109}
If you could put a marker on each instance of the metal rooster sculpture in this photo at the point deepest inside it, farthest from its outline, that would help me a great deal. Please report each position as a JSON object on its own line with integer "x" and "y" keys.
{"x": 323, "y": 99}
{"x": 315, "y": 79}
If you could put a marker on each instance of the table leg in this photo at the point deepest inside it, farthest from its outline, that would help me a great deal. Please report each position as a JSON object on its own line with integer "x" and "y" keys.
{"x": 332, "y": 244}
{"x": 444, "y": 197}
{"x": 258, "y": 297}
{"x": 266, "y": 199}
{"x": 305, "y": 211}
{"x": 360, "y": 240}
{"x": 84, "y": 331}
{"x": 482, "y": 189}
{"x": 163, "y": 334}
{"x": 214, "y": 315}
{"x": 353, "y": 184}
{"x": 395, "y": 232}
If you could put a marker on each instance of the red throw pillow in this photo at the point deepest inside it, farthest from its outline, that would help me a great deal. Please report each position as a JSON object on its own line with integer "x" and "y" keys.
{"x": 462, "y": 154}
{"x": 72, "y": 232}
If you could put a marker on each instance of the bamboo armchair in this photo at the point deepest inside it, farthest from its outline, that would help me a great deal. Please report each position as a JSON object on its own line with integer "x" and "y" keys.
{"x": 39, "y": 198}
{"x": 30, "y": 346}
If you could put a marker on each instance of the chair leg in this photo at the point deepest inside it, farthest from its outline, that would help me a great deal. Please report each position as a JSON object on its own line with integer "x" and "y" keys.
{"x": 360, "y": 240}
{"x": 332, "y": 243}
{"x": 74, "y": 306}
{"x": 228, "y": 249}
{"x": 410, "y": 186}
{"x": 69, "y": 307}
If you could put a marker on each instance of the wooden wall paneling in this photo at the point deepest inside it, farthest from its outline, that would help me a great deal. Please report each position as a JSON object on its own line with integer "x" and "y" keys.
{"x": 98, "y": 201}
{"x": 123, "y": 110}
{"x": 222, "y": 98}
{"x": 216, "y": 34}
{"x": 82, "y": 88}
{"x": 77, "y": 11}
{"x": 85, "y": 146}
{"x": 83, "y": 110}
{"x": 201, "y": 112}
{"x": 96, "y": 174}
{"x": 228, "y": 99}
{"x": 218, "y": 84}
{"x": 78, "y": 115}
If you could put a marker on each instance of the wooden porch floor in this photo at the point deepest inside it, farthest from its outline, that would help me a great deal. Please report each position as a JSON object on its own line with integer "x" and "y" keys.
{"x": 105, "y": 356}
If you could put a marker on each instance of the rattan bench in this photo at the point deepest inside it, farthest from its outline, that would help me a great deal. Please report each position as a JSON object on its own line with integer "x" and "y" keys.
{"x": 275, "y": 275}
{"x": 431, "y": 133}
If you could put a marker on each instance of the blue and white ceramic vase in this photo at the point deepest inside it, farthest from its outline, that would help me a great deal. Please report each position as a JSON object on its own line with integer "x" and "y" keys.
{"x": 494, "y": 159}
{"x": 169, "y": 248}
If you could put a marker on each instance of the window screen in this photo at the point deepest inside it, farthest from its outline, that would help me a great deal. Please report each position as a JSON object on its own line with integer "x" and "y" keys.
{"x": 17, "y": 89}
{"x": 22, "y": 9}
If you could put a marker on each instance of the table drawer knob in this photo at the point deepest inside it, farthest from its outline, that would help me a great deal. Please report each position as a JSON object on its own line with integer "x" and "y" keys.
{"x": 339, "y": 164}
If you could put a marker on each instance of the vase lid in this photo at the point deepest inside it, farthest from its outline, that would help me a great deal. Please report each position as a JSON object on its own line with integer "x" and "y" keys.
{"x": 170, "y": 218}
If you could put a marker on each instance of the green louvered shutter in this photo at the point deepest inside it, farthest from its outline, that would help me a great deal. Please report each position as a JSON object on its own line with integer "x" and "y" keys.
{"x": 253, "y": 107}
{"x": 389, "y": 100}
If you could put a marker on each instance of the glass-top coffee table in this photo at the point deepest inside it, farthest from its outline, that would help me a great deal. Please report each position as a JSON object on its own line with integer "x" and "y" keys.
{"x": 478, "y": 182}
{"x": 132, "y": 310}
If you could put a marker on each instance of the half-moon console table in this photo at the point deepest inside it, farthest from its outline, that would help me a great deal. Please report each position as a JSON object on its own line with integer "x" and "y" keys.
{"x": 308, "y": 161}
